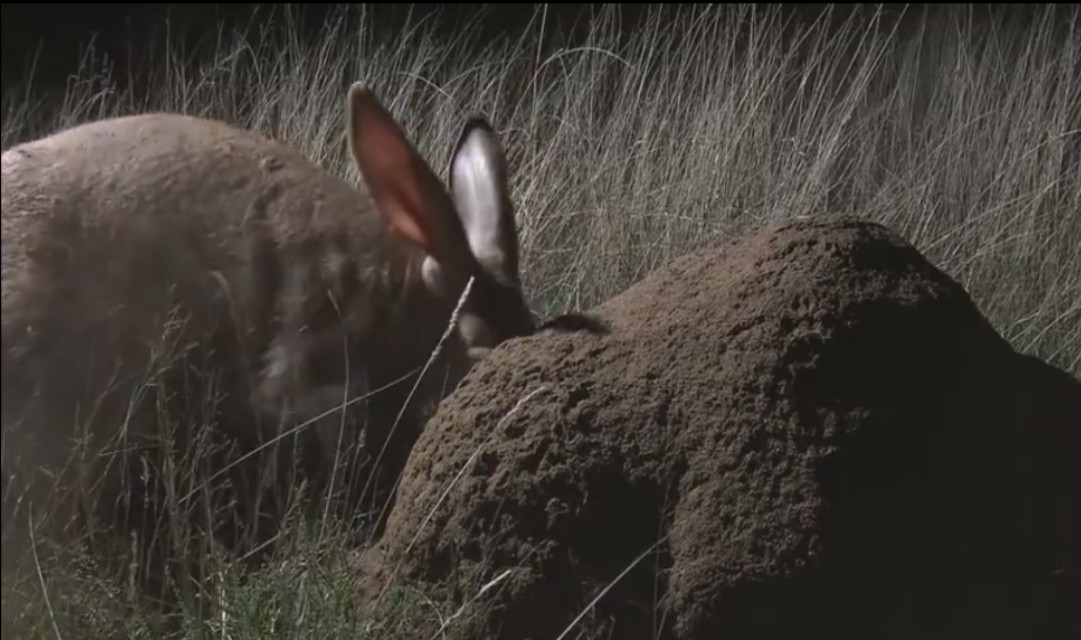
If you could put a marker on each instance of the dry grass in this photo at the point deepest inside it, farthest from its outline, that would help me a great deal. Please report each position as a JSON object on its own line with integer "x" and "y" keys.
{"x": 628, "y": 151}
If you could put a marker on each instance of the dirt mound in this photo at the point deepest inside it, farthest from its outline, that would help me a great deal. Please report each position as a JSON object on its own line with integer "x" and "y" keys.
{"x": 812, "y": 431}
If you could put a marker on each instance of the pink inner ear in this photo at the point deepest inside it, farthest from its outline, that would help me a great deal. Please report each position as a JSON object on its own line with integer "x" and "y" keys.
{"x": 392, "y": 172}
{"x": 398, "y": 207}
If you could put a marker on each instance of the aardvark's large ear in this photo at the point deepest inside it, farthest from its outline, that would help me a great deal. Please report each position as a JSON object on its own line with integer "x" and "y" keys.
{"x": 405, "y": 190}
{"x": 478, "y": 180}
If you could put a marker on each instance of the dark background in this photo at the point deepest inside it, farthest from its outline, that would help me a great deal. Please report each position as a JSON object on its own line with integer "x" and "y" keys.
{"x": 48, "y": 37}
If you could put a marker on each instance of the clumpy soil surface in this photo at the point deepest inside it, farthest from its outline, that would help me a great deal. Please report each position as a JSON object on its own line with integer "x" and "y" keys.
{"x": 809, "y": 431}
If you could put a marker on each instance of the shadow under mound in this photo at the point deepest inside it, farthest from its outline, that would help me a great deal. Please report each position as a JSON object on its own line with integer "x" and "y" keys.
{"x": 810, "y": 432}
